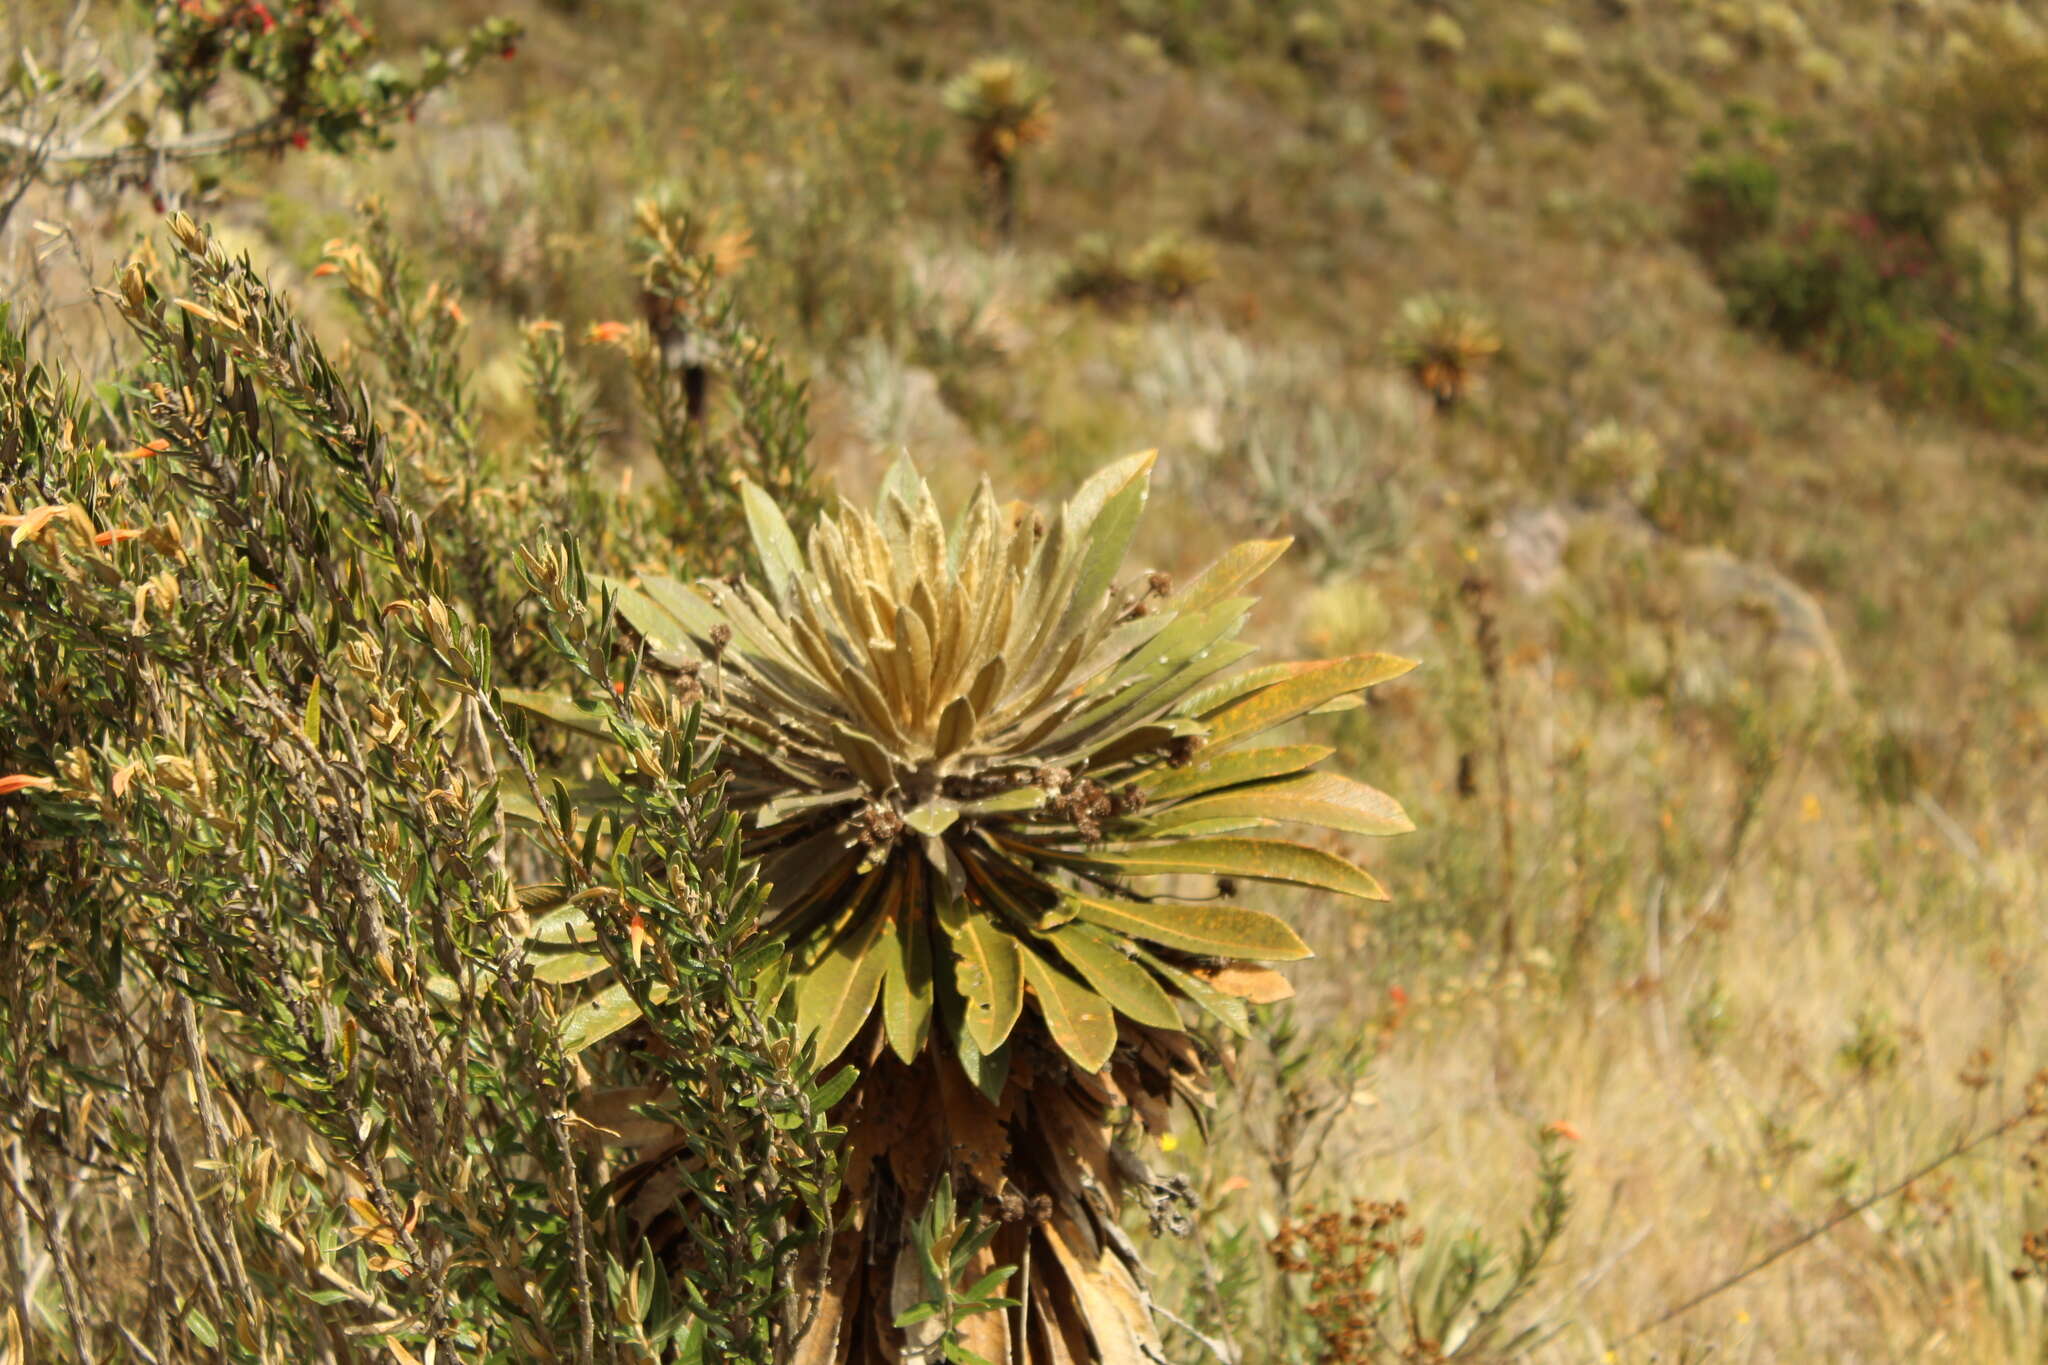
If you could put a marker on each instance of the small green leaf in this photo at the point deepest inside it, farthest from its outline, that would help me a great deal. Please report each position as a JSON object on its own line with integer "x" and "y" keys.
{"x": 834, "y": 1090}
{"x": 312, "y": 721}
{"x": 1080, "y": 1021}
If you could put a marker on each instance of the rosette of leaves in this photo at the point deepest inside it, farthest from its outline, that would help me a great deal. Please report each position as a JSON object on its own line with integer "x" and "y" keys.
{"x": 977, "y": 763}
{"x": 1444, "y": 343}
{"x": 1006, "y": 105}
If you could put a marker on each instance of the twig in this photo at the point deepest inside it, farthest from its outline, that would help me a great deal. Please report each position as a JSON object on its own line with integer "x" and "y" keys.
{"x": 213, "y": 142}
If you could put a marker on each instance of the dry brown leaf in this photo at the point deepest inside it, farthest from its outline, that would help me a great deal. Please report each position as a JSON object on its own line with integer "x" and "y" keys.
{"x": 1260, "y": 985}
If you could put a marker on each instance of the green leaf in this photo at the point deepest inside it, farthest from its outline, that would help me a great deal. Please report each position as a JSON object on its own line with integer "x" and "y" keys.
{"x": 987, "y": 969}
{"x": 1113, "y": 976}
{"x": 1228, "y": 1010}
{"x": 1227, "y": 931}
{"x": 834, "y": 1090}
{"x": 1236, "y": 567}
{"x": 697, "y": 617}
{"x": 1266, "y": 860}
{"x": 934, "y": 817}
{"x": 902, "y": 481}
{"x": 1304, "y": 689}
{"x": 1028, "y": 797}
{"x": 907, "y": 983}
{"x": 835, "y": 996}
{"x": 780, "y": 555}
{"x": 517, "y": 804}
{"x": 560, "y": 969}
{"x": 1108, "y": 536}
{"x": 990, "y": 1283}
{"x": 564, "y": 924}
{"x": 1204, "y": 829}
{"x": 604, "y": 1014}
{"x": 667, "y": 638}
{"x": 1229, "y": 768}
{"x": 1327, "y": 800}
{"x": 1080, "y": 1021}
{"x": 587, "y": 716}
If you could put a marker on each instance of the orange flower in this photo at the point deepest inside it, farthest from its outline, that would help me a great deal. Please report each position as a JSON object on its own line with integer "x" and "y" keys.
{"x": 1560, "y": 1128}
{"x": 115, "y": 535}
{"x": 25, "y": 782}
{"x": 324, "y": 269}
{"x": 150, "y": 451}
{"x": 607, "y": 333}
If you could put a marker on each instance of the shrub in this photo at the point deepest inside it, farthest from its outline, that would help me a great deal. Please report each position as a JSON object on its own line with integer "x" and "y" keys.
{"x": 1166, "y": 269}
{"x": 296, "y": 75}
{"x": 1729, "y": 200}
{"x": 269, "y": 958}
{"x": 1442, "y": 38}
{"x": 1877, "y": 306}
{"x": 1612, "y": 460}
{"x": 1986, "y": 108}
{"x": 1572, "y": 108}
{"x": 1802, "y": 289}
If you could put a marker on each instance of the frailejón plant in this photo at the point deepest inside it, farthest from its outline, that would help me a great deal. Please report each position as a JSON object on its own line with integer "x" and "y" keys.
{"x": 977, "y": 764}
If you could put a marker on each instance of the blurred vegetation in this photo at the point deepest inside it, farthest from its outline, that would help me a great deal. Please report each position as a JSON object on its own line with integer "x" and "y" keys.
{"x": 1723, "y": 564}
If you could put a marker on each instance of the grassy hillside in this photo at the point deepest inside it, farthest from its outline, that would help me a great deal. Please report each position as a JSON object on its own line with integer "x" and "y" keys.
{"x": 1727, "y": 746}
